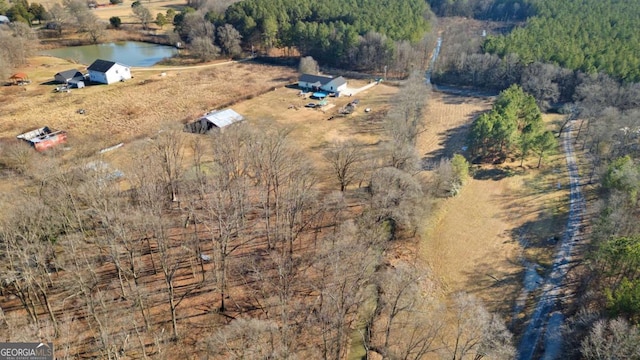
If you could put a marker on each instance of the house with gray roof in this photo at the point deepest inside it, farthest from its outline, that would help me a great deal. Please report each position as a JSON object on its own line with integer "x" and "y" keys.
{"x": 108, "y": 72}
{"x": 322, "y": 83}
{"x": 67, "y": 76}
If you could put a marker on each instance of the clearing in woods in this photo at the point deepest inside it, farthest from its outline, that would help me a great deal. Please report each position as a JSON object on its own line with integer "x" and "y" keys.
{"x": 473, "y": 241}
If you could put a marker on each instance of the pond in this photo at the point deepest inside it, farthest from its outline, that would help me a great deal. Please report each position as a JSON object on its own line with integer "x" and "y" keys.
{"x": 131, "y": 53}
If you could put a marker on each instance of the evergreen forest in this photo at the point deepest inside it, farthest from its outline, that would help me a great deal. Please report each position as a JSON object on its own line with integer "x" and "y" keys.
{"x": 330, "y": 30}
{"x": 588, "y": 35}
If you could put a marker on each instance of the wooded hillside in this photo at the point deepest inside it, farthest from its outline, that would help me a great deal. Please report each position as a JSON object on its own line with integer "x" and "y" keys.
{"x": 589, "y": 35}
{"x": 327, "y": 30}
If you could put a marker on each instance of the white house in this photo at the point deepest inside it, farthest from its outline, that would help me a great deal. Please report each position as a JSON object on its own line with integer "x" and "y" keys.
{"x": 336, "y": 85}
{"x": 108, "y": 72}
{"x": 323, "y": 83}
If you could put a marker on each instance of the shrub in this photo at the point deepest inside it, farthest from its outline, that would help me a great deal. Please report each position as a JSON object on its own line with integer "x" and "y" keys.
{"x": 115, "y": 22}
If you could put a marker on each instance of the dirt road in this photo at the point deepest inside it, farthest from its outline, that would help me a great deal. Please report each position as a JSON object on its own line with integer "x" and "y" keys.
{"x": 188, "y": 67}
{"x": 547, "y": 317}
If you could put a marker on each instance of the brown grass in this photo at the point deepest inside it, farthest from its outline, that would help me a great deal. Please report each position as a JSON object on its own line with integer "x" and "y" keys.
{"x": 124, "y": 10}
{"x": 119, "y": 112}
{"x": 471, "y": 241}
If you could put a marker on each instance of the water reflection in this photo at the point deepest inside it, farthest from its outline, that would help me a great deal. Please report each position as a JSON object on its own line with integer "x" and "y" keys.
{"x": 132, "y": 53}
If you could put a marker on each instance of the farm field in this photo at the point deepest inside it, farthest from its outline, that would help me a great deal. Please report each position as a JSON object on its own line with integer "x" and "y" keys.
{"x": 473, "y": 242}
{"x": 123, "y": 10}
{"x": 136, "y": 108}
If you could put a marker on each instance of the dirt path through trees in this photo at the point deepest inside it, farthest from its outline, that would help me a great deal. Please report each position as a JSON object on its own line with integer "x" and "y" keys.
{"x": 545, "y": 317}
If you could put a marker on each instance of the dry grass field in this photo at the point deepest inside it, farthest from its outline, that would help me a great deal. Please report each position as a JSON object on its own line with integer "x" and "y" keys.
{"x": 123, "y": 11}
{"x": 473, "y": 241}
{"x": 133, "y": 109}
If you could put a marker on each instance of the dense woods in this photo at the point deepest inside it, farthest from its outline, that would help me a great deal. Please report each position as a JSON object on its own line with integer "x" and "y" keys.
{"x": 336, "y": 33}
{"x": 591, "y": 36}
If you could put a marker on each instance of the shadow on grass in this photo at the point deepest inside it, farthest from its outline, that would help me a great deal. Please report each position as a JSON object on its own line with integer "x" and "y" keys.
{"x": 454, "y": 142}
{"x": 493, "y": 173}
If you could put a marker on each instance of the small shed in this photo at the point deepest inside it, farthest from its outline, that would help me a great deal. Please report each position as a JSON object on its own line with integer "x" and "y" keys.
{"x": 4, "y": 19}
{"x": 214, "y": 119}
{"x": 65, "y": 77}
{"x": 77, "y": 83}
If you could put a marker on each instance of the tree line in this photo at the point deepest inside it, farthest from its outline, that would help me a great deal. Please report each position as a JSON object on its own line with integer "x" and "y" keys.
{"x": 590, "y": 36}
{"x": 462, "y": 62}
{"x": 501, "y": 10}
{"x": 351, "y": 35}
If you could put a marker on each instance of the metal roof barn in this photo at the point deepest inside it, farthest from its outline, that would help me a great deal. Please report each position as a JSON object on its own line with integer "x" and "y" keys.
{"x": 214, "y": 119}
{"x": 223, "y": 118}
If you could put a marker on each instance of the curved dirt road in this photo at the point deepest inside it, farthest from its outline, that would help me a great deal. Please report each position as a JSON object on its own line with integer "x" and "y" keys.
{"x": 187, "y": 67}
{"x": 547, "y": 317}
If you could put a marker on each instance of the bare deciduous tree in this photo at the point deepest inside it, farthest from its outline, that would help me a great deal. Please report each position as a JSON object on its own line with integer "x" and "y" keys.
{"x": 396, "y": 197}
{"x": 195, "y": 26}
{"x": 408, "y": 323}
{"x": 244, "y": 339}
{"x": 308, "y": 66}
{"x": 229, "y": 39}
{"x": 476, "y": 331}
{"x": 58, "y": 17}
{"x": 204, "y": 49}
{"x": 344, "y": 158}
{"x": 96, "y": 30}
{"x": 143, "y": 14}
{"x": 228, "y": 202}
{"x": 611, "y": 339}
{"x": 344, "y": 267}
{"x": 169, "y": 156}
{"x": 270, "y": 154}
